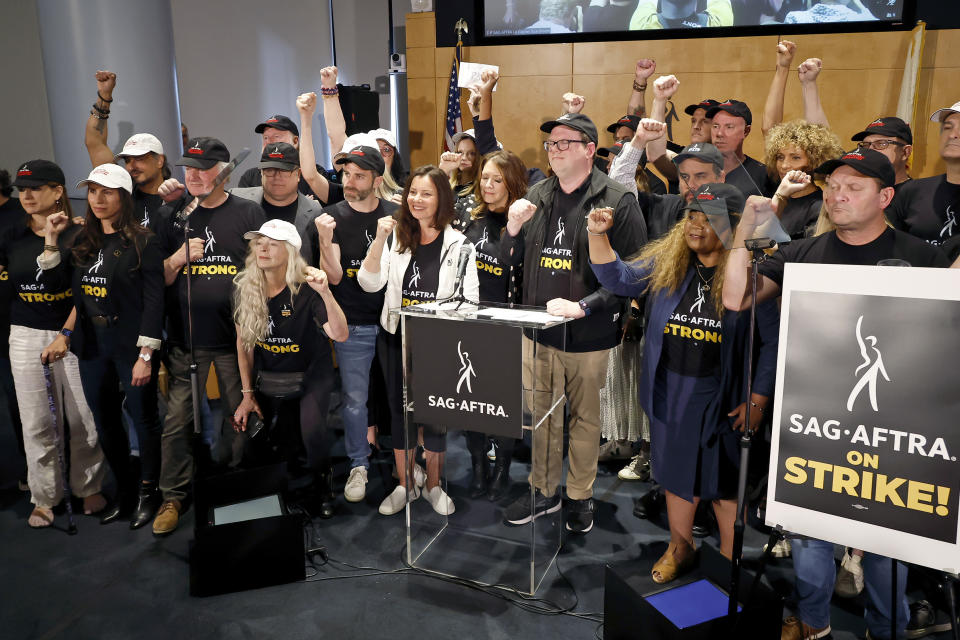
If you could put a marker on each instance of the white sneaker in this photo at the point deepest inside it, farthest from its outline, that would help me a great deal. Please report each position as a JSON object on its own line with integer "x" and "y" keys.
{"x": 356, "y": 487}
{"x": 397, "y": 500}
{"x": 638, "y": 469}
{"x": 492, "y": 454}
{"x": 441, "y": 502}
{"x": 782, "y": 549}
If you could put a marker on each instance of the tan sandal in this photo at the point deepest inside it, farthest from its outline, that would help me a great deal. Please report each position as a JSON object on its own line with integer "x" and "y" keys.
{"x": 672, "y": 563}
{"x": 40, "y": 518}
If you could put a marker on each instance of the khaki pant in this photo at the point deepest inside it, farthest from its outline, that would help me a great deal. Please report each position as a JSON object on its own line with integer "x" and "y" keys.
{"x": 552, "y": 373}
{"x": 84, "y": 457}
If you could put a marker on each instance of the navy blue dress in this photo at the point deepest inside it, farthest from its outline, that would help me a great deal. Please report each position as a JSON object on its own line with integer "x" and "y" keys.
{"x": 693, "y": 445}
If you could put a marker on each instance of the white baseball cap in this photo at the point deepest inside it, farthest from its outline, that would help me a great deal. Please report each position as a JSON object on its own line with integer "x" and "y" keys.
{"x": 386, "y": 135}
{"x": 940, "y": 114}
{"x": 112, "y": 176}
{"x": 352, "y": 142}
{"x": 141, "y": 143}
{"x": 277, "y": 230}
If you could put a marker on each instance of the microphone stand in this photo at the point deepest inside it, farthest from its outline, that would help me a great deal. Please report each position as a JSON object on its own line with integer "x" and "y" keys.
{"x": 755, "y": 246}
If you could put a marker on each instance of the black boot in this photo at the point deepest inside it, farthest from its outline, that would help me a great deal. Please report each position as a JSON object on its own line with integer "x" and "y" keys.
{"x": 480, "y": 467}
{"x": 500, "y": 480}
{"x": 120, "y": 507}
{"x": 148, "y": 501}
{"x": 323, "y": 485}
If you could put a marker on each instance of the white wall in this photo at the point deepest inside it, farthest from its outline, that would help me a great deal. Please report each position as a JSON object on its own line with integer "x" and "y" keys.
{"x": 23, "y": 110}
{"x": 240, "y": 61}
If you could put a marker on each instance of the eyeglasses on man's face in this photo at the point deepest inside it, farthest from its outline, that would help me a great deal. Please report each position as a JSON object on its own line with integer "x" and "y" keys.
{"x": 880, "y": 145}
{"x": 560, "y": 145}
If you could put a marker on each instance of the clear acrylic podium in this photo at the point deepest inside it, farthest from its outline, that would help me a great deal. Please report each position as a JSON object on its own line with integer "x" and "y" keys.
{"x": 470, "y": 369}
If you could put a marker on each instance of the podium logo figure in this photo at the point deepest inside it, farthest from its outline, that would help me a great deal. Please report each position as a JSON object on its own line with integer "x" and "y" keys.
{"x": 872, "y": 367}
{"x": 415, "y": 276}
{"x": 466, "y": 369}
{"x": 208, "y": 245}
{"x": 95, "y": 268}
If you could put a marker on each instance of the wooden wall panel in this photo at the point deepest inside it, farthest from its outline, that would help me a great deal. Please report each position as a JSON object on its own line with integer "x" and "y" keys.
{"x": 860, "y": 81}
{"x": 421, "y": 30}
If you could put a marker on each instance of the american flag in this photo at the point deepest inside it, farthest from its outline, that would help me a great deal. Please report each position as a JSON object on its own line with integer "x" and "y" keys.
{"x": 454, "y": 123}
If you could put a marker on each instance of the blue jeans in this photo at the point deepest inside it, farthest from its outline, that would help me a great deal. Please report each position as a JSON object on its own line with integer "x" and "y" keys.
{"x": 354, "y": 357}
{"x": 816, "y": 574}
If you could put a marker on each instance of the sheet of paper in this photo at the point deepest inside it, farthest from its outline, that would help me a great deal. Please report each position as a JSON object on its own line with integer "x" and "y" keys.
{"x": 518, "y": 315}
{"x": 470, "y": 74}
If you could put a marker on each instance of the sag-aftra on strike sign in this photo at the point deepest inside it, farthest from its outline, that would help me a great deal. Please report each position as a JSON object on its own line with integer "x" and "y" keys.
{"x": 867, "y": 421}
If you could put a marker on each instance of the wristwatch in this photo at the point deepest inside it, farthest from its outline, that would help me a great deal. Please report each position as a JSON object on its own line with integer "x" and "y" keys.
{"x": 145, "y": 357}
{"x": 585, "y": 307}
{"x": 66, "y": 332}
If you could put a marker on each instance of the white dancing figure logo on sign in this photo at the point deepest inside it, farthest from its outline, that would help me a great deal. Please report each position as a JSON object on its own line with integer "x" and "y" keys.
{"x": 874, "y": 367}
{"x": 466, "y": 369}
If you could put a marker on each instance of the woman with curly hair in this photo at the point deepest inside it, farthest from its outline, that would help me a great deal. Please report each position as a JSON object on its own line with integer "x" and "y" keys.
{"x": 282, "y": 346}
{"x": 792, "y": 148}
{"x": 693, "y": 378}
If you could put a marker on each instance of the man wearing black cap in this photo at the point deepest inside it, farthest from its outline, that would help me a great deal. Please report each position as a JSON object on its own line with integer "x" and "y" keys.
{"x": 928, "y": 208}
{"x": 279, "y": 198}
{"x": 893, "y": 138}
{"x": 275, "y": 129}
{"x": 731, "y": 122}
{"x": 859, "y": 186}
{"x": 342, "y": 234}
{"x": 217, "y": 254}
{"x": 547, "y": 232}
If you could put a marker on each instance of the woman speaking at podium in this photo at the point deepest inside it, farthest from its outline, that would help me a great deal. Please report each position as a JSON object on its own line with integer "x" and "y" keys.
{"x": 693, "y": 372}
{"x": 415, "y": 256}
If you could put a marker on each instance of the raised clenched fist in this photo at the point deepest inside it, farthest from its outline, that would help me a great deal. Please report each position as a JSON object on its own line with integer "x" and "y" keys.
{"x": 106, "y": 81}
{"x": 307, "y": 103}
{"x": 325, "y": 224}
{"x": 328, "y": 77}
{"x": 809, "y": 69}
{"x": 664, "y": 87}
{"x": 785, "y": 53}
{"x": 645, "y": 68}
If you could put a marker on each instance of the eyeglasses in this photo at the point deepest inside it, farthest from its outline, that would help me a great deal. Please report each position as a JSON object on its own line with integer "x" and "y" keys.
{"x": 880, "y": 145}
{"x": 561, "y": 145}
{"x": 274, "y": 172}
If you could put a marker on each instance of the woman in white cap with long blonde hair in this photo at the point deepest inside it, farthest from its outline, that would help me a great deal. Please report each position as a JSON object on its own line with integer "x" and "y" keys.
{"x": 114, "y": 267}
{"x": 282, "y": 347}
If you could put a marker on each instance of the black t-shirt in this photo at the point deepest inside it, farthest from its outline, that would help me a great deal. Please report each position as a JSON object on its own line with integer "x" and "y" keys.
{"x": 11, "y": 215}
{"x": 691, "y": 339}
{"x": 485, "y": 234}
{"x": 751, "y": 178}
{"x": 286, "y": 212}
{"x": 556, "y": 256}
{"x": 35, "y": 305}
{"x": 829, "y": 249}
{"x": 354, "y": 233}
{"x": 224, "y": 252}
{"x": 295, "y": 340}
{"x": 422, "y": 277}
{"x": 96, "y": 275}
{"x": 952, "y": 248}
{"x": 799, "y": 215}
{"x": 146, "y": 207}
{"x": 928, "y": 208}
{"x": 661, "y": 212}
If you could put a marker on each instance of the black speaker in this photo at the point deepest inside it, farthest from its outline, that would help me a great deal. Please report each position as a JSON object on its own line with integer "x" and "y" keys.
{"x": 691, "y": 608}
{"x": 361, "y": 108}
{"x": 243, "y": 536}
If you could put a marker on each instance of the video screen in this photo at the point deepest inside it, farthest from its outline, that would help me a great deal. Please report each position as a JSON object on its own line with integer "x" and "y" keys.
{"x": 551, "y": 17}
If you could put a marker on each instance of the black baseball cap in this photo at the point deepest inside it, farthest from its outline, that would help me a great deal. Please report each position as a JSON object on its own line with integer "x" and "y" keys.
{"x": 892, "y": 126}
{"x": 36, "y": 173}
{"x": 280, "y": 155}
{"x": 278, "y": 122}
{"x": 734, "y": 108}
{"x": 717, "y": 197}
{"x": 866, "y": 161}
{"x": 576, "y": 121}
{"x": 707, "y": 104}
{"x": 203, "y": 153}
{"x": 632, "y": 122}
{"x": 702, "y": 151}
{"x": 612, "y": 151}
{"x": 365, "y": 158}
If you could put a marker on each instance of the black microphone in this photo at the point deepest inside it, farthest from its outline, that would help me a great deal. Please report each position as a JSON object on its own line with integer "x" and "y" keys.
{"x": 462, "y": 268}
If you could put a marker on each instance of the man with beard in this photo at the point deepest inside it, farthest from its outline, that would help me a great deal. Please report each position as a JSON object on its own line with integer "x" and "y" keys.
{"x": 341, "y": 236}
{"x": 142, "y": 154}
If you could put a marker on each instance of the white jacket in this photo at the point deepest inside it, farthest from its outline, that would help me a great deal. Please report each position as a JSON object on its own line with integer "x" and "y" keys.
{"x": 393, "y": 265}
